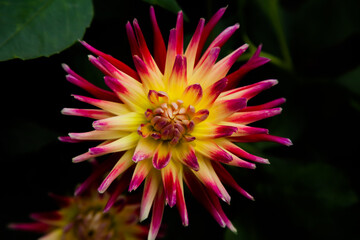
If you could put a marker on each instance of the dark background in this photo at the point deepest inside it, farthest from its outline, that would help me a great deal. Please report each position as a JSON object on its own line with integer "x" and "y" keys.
{"x": 310, "y": 190}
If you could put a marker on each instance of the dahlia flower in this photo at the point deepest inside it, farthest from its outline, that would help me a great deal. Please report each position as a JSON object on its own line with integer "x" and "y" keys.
{"x": 83, "y": 217}
{"x": 175, "y": 118}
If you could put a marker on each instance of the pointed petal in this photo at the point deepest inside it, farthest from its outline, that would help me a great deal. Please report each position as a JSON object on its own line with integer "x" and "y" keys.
{"x": 133, "y": 96}
{"x": 222, "y": 67}
{"x": 98, "y": 135}
{"x": 220, "y": 40}
{"x": 212, "y": 92}
{"x": 263, "y": 138}
{"x": 134, "y": 47}
{"x": 89, "y": 113}
{"x": 226, "y": 178}
{"x": 144, "y": 149}
{"x": 158, "y": 210}
{"x": 149, "y": 78}
{"x": 231, "y": 147}
{"x": 145, "y": 53}
{"x": 120, "y": 65}
{"x": 180, "y": 200}
{"x": 224, "y": 108}
{"x": 192, "y": 48}
{"x": 185, "y": 153}
{"x": 170, "y": 55}
{"x": 32, "y": 227}
{"x": 128, "y": 122}
{"x": 79, "y": 81}
{"x": 268, "y": 105}
{"x": 122, "y": 165}
{"x": 208, "y": 177}
{"x": 169, "y": 179}
{"x": 119, "y": 145}
{"x": 152, "y": 184}
{"x": 177, "y": 80}
{"x": 192, "y": 95}
{"x": 179, "y": 33}
{"x": 202, "y": 70}
{"x": 141, "y": 171}
{"x": 209, "y": 131}
{"x": 159, "y": 44}
{"x": 162, "y": 155}
{"x": 112, "y": 107}
{"x": 202, "y": 195}
{"x": 248, "y": 91}
{"x": 121, "y": 185}
{"x": 253, "y": 116}
{"x": 254, "y": 62}
{"x": 211, "y": 150}
{"x": 207, "y": 30}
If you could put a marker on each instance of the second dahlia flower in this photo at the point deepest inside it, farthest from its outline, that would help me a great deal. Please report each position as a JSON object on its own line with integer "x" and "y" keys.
{"x": 83, "y": 218}
{"x": 174, "y": 118}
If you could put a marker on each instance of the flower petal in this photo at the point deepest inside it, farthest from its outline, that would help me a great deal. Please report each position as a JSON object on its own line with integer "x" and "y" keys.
{"x": 122, "y": 165}
{"x": 192, "y": 48}
{"x": 209, "y": 178}
{"x": 127, "y": 122}
{"x": 169, "y": 179}
{"x": 162, "y": 155}
{"x": 90, "y": 113}
{"x": 207, "y": 30}
{"x": 120, "y": 65}
{"x": 98, "y": 135}
{"x": 141, "y": 171}
{"x": 79, "y": 81}
{"x": 254, "y": 62}
{"x": 248, "y": 91}
{"x": 226, "y": 178}
{"x": 177, "y": 80}
{"x": 212, "y": 92}
{"x": 159, "y": 44}
{"x": 253, "y": 116}
{"x": 111, "y": 107}
{"x": 211, "y": 150}
{"x": 122, "y": 144}
{"x": 224, "y": 108}
{"x": 158, "y": 210}
{"x": 151, "y": 187}
{"x": 262, "y": 138}
{"x": 144, "y": 149}
{"x": 185, "y": 153}
{"x": 192, "y": 95}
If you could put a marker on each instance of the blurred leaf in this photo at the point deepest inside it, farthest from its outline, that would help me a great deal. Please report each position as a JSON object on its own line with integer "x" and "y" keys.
{"x": 351, "y": 80}
{"x": 22, "y": 137}
{"x": 323, "y": 23}
{"x": 35, "y": 28}
{"x": 320, "y": 183}
{"x": 170, "y": 5}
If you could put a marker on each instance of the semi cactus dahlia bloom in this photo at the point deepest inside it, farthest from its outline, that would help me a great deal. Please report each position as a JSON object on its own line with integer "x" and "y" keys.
{"x": 83, "y": 217}
{"x": 174, "y": 118}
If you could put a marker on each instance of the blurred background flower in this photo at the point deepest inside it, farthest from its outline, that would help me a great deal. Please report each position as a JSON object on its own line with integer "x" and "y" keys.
{"x": 310, "y": 190}
{"x": 86, "y": 217}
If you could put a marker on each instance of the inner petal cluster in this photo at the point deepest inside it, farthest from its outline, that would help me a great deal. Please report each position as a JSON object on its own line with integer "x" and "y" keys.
{"x": 170, "y": 121}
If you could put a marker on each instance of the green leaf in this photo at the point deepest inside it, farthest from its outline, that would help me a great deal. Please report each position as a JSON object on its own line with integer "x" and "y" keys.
{"x": 170, "y": 5}
{"x": 35, "y": 28}
{"x": 351, "y": 80}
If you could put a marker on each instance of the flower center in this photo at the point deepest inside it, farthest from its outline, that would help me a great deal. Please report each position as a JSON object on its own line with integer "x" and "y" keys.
{"x": 93, "y": 224}
{"x": 171, "y": 121}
